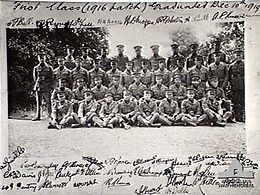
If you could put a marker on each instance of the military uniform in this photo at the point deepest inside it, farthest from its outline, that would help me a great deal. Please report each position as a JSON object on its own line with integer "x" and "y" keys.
{"x": 61, "y": 71}
{"x": 221, "y": 71}
{"x": 114, "y": 72}
{"x": 87, "y": 62}
{"x": 87, "y": 111}
{"x": 236, "y": 78}
{"x": 217, "y": 44}
{"x": 201, "y": 71}
{"x": 43, "y": 78}
{"x": 78, "y": 71}
{"x": 78, "y": 97}
{"x": 121, "y": 58}
{"x": 168, "y": 110}
{"x": 165, "y": 76}
{"x": 182, "y": 73}
{"x": 67, "y": 92}
{"x": 62, "y": 114}
{"x": 94, "y": 72}
{"x": 69, "y": 59}
{"x": 127, "y": 78}
{"x": 117, "y": 91}
{"x": 99, "y": 92}
{"x": 159, "y": 91}
{"x": 179, "y": 92}
{"x": 190, "y": 111}
{"x": 172, "y": 60}
{"x": 105, "y": 63}
{"x": 223, "y": 57}
{"x": 127, "y": 111}
{"x": 148, "y": 110}
{"x": 137, "y": 60}
{"x": 137, "y": 90}
{"x": 213, "y": 111}
{"x": 108, "y": 112}
{"x": 190, "y": 62}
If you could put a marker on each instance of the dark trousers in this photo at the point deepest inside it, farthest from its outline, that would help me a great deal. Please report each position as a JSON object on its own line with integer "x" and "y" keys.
{"x": 39, "y": 97}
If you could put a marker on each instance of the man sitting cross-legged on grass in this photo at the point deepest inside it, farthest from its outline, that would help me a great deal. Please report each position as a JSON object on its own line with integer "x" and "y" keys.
{"x": 169, "y": 109}
{"x": 108, "y": 111}
{"x": 148, "y": 110}
{"x": 87, "y": 111}
{"x": 127, "y": 110}
{"x": 213, "y": 111}
{"x": 62, "y": 112}
{"x": 190, "y": 109}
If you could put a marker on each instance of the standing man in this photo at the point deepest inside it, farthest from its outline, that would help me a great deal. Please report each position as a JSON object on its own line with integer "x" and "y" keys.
{"x": 69, "y": 59}
{"x": 220, "y": 70}
{"x": 146, "y": 74}
{"x": 87, "y": 62}
{"x": 180, "y": 71}
{"x": 43, "y": 78}
{"x": 172, "y": 60}
{"x": 237, "y": 82}
{"x": 155, "y": 59}
{"x": 127, "y": 75}
{"x": 97, "y": 71}
{"x": 121, "y": 58}
{"x": 199, "y": 70}
{"x": 114, "y": 71}
{"x": 78, "y": 71}
{"x": 137, "y": 60}
{"x": 217, "y": 49}
{"x": 191, "y": 59}
{"x": 61, "y": 70}
{"x": 104, "y": 60}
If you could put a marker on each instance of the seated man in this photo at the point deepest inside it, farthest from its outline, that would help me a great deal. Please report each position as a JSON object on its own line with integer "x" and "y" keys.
{"x": 62, "y": 82}
{"x": 148, "y": 111}
{"x": 213, "y": 111}
{"x": 62, "y": 113}
{"x": 168, "y": 109}
{"x": 116, "y": 88}
{"x": 78, "y": 93}
{"x": 137, "y": 88}
{"x": 108, "y": 111}
{"x": 87, "y": 111}
{"x": 158, "y": 89}
{"x": 127, "y": 110}
{"x": 179, "y": 90}
{"x": 190, "y": 109}
{"x": 99, "y": 90}
{"x": 198, "y": 88}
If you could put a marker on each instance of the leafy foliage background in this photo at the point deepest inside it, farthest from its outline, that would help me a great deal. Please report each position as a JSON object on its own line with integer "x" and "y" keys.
{"x": 22, "y": 49}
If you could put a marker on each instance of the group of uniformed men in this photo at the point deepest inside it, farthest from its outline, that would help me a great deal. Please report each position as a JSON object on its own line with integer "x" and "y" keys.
{"x": 151, "y": 92}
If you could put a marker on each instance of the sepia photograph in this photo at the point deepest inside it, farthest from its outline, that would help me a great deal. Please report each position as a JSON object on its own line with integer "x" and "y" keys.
{"x": 183, "y": 82}
{"x": 107, "y": 98}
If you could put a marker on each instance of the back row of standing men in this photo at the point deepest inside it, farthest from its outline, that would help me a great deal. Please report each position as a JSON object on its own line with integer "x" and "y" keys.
{"x": 177, "y": 73}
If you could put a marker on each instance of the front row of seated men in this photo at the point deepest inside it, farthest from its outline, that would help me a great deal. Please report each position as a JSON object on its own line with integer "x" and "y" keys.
{"x": 85, "y": 107}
